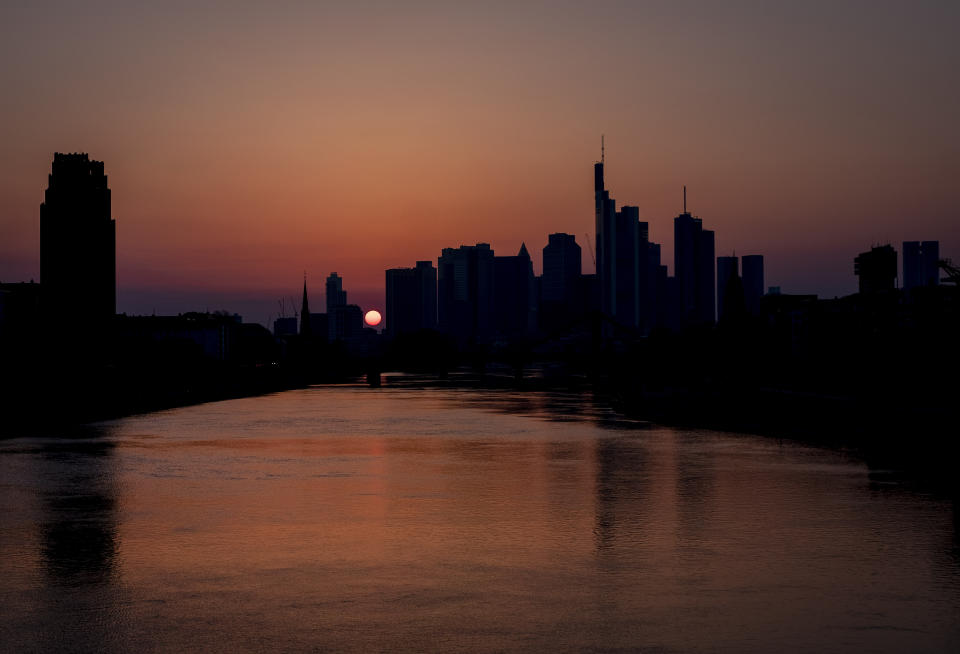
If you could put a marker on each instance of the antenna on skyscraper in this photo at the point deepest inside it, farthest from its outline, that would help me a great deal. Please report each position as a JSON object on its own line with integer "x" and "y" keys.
{"x": 684, "y": 198}
{"x": 602, "y": 149}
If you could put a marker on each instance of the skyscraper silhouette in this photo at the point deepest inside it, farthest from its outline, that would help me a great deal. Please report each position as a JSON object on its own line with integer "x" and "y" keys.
{"x": 78, "y": 243}
{"x": 621, "y": 252}
{"x": 465, "y": 293}
{"x": 411, "y": 299}
{"x": 606, "y": 242}
{"x": 693, "y": 258}
{"x": 727, "y": 270}
{"x": 920, "y": 264}
{"x": 876, "y": 269}
{"x": 336, "y": 296}
{"x": 752, "y": 265}
{"x": 561, "y": 280}
{"x": 514, "y": 291}
{"x": 629, "y": 232}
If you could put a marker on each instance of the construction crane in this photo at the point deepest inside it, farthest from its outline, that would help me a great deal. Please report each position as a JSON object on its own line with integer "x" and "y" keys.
{"x": 592, "y": 255}
{"x": 952, "y": 271}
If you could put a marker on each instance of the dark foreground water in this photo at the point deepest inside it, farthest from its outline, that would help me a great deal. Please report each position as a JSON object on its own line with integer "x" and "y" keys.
{"x": 348, "y": 518}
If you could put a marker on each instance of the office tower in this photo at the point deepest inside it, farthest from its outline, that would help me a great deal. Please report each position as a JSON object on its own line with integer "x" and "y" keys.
{"x": 344, "y": 321}
{"x": 605, "y": 242}
{"x": 78, "y": 243}
{"x": 336, "y": 296}
{"x": 627, "y": 265}
{"x": 727, "y": 271}
{"x": 620, "y": 245}
{"x": 514, "y": 292}
{"x": 652, "y": 309}
{"x": 561, "y": 268}
{"x": 305, "y": 326}
{"x": 465, "y": 293}
{"x": 693, "y": 259}
{"x": 920, "y": 261}
{"x": 877, "y": 269}
{"x": 411, "y": 299}
{"x": 752, "y": 273}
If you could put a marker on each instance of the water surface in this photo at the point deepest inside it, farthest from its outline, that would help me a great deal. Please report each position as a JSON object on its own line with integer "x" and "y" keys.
{"x": 348, "y": 518}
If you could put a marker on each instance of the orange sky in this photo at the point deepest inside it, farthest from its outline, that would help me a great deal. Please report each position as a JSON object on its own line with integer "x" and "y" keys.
{"x": 247, "y": 143}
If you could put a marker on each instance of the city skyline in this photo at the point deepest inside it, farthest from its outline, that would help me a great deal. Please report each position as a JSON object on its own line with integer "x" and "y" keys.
{"x": 634, "y": 288}
{"x": 245, "y": 147}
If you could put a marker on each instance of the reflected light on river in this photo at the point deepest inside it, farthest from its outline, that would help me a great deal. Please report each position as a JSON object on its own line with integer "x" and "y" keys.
{"x": 347, "y": 518}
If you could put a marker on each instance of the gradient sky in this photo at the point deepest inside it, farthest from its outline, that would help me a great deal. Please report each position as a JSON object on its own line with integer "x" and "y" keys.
{"x": 248, "y": 142}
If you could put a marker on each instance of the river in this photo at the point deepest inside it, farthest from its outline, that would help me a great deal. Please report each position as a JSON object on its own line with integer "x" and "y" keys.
{"x": 345, "y": 518}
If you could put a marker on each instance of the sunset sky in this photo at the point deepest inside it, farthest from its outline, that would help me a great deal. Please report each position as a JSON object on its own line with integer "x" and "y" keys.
{"x": 248, "y": 142}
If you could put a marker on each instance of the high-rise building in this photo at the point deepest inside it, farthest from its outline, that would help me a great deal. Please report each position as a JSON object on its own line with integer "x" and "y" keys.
{"x": 514, "y": 292}
{"x": 78, "y": 243}
{"x": 920, "y": 264}
{"x": 342, "y": 318}
{"x": 606, "y": 242}
{"x": 727, "y": 272}
{"x": 561, "y": 267}
{"x": 411, "y": 299}
{"x": 336, "y": 296}
{"x": 465, "y": 293}
{"x": 627, "y": 239}
{"x": 344, "y": 321}
{"x": 653, "y": 301}
{"x": 752, "y": 274}
{"x": 560, "y": 283}
{"x": 693, "y": 259}
{"x": 877, "y": 269}
{"x": 620, "y": 250}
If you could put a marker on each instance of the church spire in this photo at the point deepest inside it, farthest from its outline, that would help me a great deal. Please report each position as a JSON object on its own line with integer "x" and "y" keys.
{"x": 305, "y": 310}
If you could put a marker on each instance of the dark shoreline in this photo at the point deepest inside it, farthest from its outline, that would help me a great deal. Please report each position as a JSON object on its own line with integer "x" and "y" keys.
{"x": 907, "y": 438}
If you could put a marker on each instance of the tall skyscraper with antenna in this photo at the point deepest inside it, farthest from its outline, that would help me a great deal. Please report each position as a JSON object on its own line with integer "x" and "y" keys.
{"x": 620, "y": 248}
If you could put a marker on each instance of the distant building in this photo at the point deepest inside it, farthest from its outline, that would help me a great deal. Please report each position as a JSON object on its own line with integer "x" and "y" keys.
{"x": 650, "y": 299}
{"x": 219, "y": 336}
{"x": 344, "y": 321}
{"x": 411, "y": 299}
{"x": 465, "y": 293}
{"x": 877, "y": 269}
{"x": 341, "y": 321}
{"x": 693, "y": 260}
{"x": 559, "y": 303}
{"x": 727, "y": 272}
{"x": 625, "y": 275}
{"x": 606, "y": 242}
{"x": 319, "y": 327}
{"x": 305, "y": 326}
{"x": 336, "y": 296}
{"x": 284, "y": 326}
{"x": 752, "y": 274}
{"x": 20, "y": 317}
{"x": 514, "y": 293}
{"x": 78, "y": 243}
{"x": 920, "y": 264}
{"x": 628, "y": 236}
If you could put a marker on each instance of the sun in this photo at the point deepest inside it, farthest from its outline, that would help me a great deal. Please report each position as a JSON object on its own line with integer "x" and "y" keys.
{"x": 372, "y": 318}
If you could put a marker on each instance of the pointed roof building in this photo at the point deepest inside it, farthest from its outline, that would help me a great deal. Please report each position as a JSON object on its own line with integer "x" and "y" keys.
{"x": 305, "y": 311}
